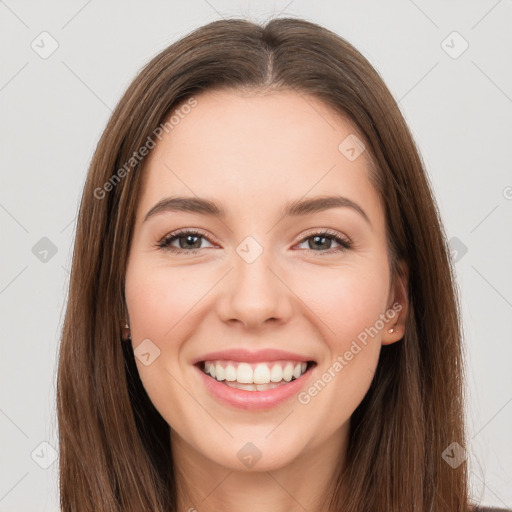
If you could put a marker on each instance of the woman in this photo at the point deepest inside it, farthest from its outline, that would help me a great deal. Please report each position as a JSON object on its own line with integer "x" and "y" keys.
{"x": 262, "y": 312}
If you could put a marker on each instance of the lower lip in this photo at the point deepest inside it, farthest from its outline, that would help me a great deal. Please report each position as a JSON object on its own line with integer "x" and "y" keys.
{"x": 254, "y": 400}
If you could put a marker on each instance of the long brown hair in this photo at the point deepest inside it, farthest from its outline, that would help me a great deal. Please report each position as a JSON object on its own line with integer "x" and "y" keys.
{"x": 115, "y": 452}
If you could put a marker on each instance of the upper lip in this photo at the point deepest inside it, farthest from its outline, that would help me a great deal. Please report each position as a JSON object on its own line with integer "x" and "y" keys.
{"x": 258, "y": 356}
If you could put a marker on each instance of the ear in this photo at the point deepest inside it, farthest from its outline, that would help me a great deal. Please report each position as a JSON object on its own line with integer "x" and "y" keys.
{"x": 398, "y": 305}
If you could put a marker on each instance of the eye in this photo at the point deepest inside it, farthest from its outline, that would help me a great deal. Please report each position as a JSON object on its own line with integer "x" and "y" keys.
{"x": 189, "y": 241}
{"x": 321, "y": 242}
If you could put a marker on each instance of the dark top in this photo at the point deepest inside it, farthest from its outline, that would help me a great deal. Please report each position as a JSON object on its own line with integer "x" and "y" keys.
{"x": 489, "y": 509}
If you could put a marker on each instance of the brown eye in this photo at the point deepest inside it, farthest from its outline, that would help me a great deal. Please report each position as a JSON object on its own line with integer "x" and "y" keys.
{"x": 188, "y": 241}
{"x": 323, "y": 242}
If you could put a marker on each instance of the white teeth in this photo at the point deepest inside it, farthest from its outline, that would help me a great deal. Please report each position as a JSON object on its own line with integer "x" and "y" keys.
{"x": 244, "y": 373}
{"x": 261, "y": 374}
{"x": 253, "y": 387}
{"x": 264, "y": 387}
{"x": 276, "y": 374}
{"x": 257, "y": 377}
{"x": 288, "y": 372}
{"x": 245, "y": 387}
{"x": 219, "y": 372}
{"x": 230, "y": 373}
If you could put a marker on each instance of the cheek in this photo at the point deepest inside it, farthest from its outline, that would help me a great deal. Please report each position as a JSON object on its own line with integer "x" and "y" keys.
{"x": 160, "y": 306}
{"x": 157, "y": 299}
{"x": 347, "y": 304}
{"x": 346, "y": 300}
{"x": 348, "y": 307}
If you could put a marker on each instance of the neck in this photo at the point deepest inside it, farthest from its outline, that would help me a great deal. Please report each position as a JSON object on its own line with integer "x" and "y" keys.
{"x": 304, "y": 484}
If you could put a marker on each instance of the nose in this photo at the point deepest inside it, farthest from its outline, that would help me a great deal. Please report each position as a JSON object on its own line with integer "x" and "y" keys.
{"x": 254, "y": 295}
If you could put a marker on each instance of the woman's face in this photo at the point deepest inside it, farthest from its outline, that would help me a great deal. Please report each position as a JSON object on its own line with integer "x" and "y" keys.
{"x": 258, "y": 290}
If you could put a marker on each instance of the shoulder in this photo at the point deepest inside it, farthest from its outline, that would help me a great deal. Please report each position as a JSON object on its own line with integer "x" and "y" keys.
{"x": 488, "y": 509}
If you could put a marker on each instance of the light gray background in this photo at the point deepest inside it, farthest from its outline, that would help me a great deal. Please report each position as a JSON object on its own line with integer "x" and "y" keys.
{"x": 54, "y": 110}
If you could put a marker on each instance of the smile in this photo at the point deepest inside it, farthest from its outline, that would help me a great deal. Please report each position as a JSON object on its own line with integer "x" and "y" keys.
{"x": 254, "y": 385}
{"x": 255, "y": 376}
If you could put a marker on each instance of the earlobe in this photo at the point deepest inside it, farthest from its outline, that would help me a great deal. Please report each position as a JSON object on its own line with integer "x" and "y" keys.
{"x": 396, "y": 313}
{"x": 126, "y": 332}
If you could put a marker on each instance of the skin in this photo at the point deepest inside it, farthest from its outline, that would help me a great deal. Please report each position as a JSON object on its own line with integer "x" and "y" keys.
{"x": 251, "y": 153}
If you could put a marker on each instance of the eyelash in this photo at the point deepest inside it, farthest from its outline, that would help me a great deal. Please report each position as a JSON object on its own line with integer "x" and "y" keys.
{"x": 164, "y": 243}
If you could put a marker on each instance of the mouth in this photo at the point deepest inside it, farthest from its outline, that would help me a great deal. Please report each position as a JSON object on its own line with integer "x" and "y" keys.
{"x": 255, "y": 377}
{"x": 254, "y": 386}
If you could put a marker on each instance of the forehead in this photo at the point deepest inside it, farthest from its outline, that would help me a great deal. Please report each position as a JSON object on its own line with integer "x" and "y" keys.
{"x": 243, "y": 147}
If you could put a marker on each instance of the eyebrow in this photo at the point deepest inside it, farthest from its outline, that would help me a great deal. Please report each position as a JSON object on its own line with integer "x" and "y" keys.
{"x": 299, "y": 207}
